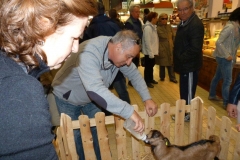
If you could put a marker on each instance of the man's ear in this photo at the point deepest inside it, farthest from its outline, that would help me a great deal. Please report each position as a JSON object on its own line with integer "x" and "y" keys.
{"x": 119, "y": 46}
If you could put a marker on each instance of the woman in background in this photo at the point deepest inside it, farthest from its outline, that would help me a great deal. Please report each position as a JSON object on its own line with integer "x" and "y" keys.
{"x": 35, "y": 36}
{"x": 166, "y": 37}
{"x": 150, "y": 47}
{"x": 225, "y": 54}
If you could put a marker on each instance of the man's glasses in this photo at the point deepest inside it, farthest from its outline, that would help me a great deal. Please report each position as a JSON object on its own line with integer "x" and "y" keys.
{"x": 184, "y": 9}
{"x": 164, "y": 18}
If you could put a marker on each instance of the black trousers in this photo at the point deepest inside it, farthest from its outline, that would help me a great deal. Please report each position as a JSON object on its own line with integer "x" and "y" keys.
{"x": 171, "y": 73}
{"x": 148, "y": 70}
{"x": 188, "y": 84}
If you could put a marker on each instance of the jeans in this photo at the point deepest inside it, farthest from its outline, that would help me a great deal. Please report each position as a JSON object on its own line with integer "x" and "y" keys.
{"x": 223, "y": 71}
{"x": 74, "y": 112}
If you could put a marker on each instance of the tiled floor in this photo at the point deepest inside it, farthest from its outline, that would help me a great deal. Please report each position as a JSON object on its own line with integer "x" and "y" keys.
{"x": 166, "y": 91}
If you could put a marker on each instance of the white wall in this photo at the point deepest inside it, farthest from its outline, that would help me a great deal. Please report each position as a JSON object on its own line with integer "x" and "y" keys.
{"x": 216, "y": 5}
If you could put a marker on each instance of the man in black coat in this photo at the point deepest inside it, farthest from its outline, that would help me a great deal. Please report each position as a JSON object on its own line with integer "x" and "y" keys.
{"x": 187, "y": 53}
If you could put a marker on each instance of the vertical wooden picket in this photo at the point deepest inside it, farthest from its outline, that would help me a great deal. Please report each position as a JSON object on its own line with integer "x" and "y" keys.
{"x": 87, "y": 139}
{"x": 135, "y": 143}
{"x": 149, "y": 125}
{"x": 179, "y": 122}
{"x": 120, "y": 138}
{"x": 69, "y": 137}
{"x": 211, "y": 121}
{"x": 102, "y": 136}
{"x": 225, "y": 133}
{"x": 165, "y": 119}
{"x": 196, "y": 113}
{"x": 236, "y": 153}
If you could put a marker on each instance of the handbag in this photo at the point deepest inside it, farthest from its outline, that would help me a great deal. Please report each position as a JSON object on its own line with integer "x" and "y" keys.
{"x": 143, "y": 61}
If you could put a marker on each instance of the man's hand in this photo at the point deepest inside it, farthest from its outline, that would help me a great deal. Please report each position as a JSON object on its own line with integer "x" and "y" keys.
{"x": 232, "y": 110}
{"x": 139, "y": 126}
{"x": 151, "y": 107}
{"x": 238, "y": 127}
{"x": 229, "y": 58}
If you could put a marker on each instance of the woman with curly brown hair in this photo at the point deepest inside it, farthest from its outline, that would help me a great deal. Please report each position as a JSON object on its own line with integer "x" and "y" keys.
{"x": 35, "y": 36}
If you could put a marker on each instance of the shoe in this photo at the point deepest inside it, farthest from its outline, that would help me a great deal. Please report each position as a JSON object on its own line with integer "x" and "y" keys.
{"x": 150, "y": 85}
{"x": 154, "y": 82}
{"x": 216, "y": 98}
{"x": 162, "y": 79}
{"x": 174, "y": 81}
{"x": 187, "y": 117}
{"x": 130, "y": 84}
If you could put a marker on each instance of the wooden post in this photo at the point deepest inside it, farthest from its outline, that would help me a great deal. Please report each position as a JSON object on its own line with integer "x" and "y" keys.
{"x": 149, "y": 125}
{"x": 87, "y": 140}
{"x": 120, "y": 138}
{"x": 225, "y": 133}
{"x": 165, "y": 119}
{"x": 236, "y": 154}
{"x": 211, "y": 121}
{"x": 102, "y": 136}
{"x": 68, "y": 131}
{"x": 196, "y": 114}
{"x": 179, "y": 122}
{"x": 135, "y": 143}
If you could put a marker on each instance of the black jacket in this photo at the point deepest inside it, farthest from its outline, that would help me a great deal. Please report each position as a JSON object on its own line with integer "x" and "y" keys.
{"x": 187, "y": 53}
{"x": 25, "y": 125}
{"x": 234, "y": 95}
{"x": 100, "y": 25}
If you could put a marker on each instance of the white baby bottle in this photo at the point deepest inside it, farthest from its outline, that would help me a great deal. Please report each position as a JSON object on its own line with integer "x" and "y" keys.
{"x": 129, "y": 124}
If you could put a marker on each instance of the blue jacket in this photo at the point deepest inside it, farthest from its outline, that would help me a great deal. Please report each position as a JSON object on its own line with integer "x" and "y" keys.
{"x": 25, "y": 125}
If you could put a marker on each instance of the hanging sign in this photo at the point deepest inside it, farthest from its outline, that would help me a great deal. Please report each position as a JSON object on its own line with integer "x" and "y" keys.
{"x": 227, "y": 4}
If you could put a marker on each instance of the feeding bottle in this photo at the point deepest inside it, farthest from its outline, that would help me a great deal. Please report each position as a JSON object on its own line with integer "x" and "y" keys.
{"x": 129, "y": 125}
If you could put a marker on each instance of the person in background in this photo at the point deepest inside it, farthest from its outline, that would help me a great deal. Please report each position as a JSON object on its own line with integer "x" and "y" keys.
{"x": 133, "y": 23}
{"x": 234, "y": 98}
{"x": 166, "y": 37}
{"x": 114, "y": 17}
{"x": 35, "y": 36}
{"x": 119, "y": 82}
{"x": 100, "y": 25}
{"x": 145, "y": 12}
{"x": 81, "y": 85}
{"x": 225, "y": 54}
{"x": 150, "y": 47}
{"x": 187, "y": 52}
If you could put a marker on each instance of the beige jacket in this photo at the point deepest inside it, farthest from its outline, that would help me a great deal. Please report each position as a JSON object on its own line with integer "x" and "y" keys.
{"x": 166, "y": 37}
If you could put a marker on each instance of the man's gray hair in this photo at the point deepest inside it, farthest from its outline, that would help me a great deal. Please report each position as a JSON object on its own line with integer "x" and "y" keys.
{"x": 133, "y": 6}
{"x": 191, "y": 3}
{"x": 127, "y": 38}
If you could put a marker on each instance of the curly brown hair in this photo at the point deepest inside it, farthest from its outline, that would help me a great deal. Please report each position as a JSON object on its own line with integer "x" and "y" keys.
{"x": 25, "y": 23}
